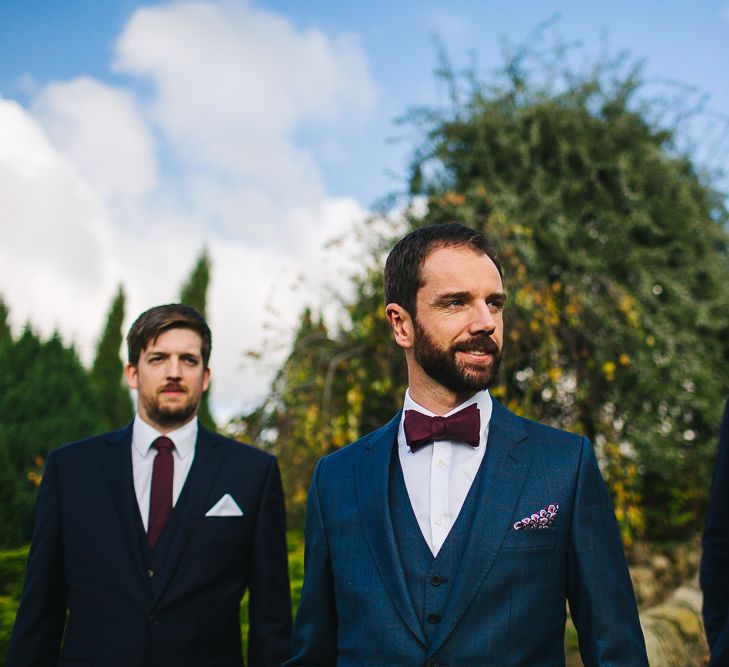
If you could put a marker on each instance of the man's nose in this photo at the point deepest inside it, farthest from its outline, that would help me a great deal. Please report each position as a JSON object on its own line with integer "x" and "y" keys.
{"x": 173, "y": 367}
{"x": 483, "y": 319}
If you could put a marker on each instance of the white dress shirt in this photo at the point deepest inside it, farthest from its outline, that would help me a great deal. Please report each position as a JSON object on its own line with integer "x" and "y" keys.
{"x": 439, "y": 476}
{"x": 143, "y": 435}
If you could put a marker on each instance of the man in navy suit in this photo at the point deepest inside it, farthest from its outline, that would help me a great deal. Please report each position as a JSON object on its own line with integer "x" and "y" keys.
{"x": 146, "y": 538}
{"x": 454, "y": 534}
{"x": 715, "y": 555}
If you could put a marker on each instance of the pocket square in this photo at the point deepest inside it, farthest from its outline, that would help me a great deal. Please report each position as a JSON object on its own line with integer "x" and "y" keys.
{"x": 226, "y": 506}
{"x": 543, "y": 519}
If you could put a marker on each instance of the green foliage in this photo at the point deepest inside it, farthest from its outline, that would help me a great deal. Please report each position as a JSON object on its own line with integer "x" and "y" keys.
{"x": 194, "y": 293}
{"x": 107, "y": 372}
{"x": 615, "y": 260}
{"x": 615, "y": 264}
{"x": 4, "y": 325}
{"x": 12, "y": 572}
{"x": 328, "y": 392}
{"x": 46, "y": 399}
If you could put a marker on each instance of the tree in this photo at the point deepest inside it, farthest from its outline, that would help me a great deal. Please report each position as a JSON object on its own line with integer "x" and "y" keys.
{"x": 194, "y": 293}
{"x": 107, "y": 372}
{"x": 610, "y": 240}
{"x": 4, "y": 325}
{"x": 46, "y": 399}
{"x": 615, "y": 265}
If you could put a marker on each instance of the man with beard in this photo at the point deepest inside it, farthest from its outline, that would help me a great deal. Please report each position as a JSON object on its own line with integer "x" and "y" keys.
{"x": 146, "y": 538}
{"x": 454, "y": 534}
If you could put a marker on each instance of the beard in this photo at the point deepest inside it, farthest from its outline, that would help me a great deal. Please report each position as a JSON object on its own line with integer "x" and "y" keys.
{"x": 171, "y": 415}
{"x": 442, "y": 365}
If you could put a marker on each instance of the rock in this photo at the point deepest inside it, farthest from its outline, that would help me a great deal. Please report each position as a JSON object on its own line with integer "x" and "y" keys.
{"x": 647, "y": 590}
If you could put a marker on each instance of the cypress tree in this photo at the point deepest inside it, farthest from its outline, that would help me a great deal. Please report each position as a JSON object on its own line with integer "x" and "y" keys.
{"x": 194, "y": 293}
{"x": 108, "y": 369}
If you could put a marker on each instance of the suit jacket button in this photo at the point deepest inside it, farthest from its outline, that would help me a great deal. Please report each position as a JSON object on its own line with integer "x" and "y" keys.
{"x": 152, "y": 620}
{"x": 150, "y": 573}
{"x": 433, "y": 618}
{"x": 435, "y": 580}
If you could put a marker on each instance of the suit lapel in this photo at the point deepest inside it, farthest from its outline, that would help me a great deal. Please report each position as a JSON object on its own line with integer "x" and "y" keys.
{"x": 372, "y": 474}
{"x": 190, "y": 506}
{"x": 117, "y": 465}
{"x": 506, "y": 465}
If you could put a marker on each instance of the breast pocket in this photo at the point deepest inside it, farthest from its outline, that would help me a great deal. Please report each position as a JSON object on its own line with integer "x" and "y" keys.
{"x": 532, "y": 538}
{"x": 223, "y": 531}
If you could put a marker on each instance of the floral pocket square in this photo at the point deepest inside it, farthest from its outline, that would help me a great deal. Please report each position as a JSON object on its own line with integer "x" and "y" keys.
{"x": 542, "y": 519}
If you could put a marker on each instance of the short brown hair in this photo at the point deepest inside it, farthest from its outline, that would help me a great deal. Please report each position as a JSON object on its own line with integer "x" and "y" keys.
{"x": 404, "y": 263}
{"x": 155, "y": 321}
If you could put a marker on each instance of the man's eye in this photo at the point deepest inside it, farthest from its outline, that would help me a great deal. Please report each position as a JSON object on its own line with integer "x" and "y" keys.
{"x": 456, "y": 302}
{"x": 496, "y": 306}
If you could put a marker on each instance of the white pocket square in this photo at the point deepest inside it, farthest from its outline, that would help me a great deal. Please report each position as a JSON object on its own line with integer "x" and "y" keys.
{"x": 226, "y": 506}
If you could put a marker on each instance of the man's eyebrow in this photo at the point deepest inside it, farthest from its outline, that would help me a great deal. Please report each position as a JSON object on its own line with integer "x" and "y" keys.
{"x": 465, "y": 294}
{"x": 450, "y": 296}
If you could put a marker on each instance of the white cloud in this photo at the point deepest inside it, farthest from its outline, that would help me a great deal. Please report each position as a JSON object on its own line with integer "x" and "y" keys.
{"x": 232, "y": 84}
{"x": 55, "y": 233}
{"x": 99, "y": 128}
{"x": 108, "y": 183}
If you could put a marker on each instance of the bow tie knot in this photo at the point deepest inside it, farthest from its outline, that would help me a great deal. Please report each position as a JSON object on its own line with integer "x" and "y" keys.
{"x": 463, "y": 426}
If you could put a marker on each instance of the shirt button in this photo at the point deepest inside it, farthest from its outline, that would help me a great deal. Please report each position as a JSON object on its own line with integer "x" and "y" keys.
{"x": 433, "y": 618}
{"x": 439, "y": 521}
{"x": 435, "y": 580}
{"x": 441, "y": 463}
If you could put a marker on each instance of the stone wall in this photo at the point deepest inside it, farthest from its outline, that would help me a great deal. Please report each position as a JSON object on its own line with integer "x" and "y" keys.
{"x": 674, "y": 631}
{"x": 666, "y": 586}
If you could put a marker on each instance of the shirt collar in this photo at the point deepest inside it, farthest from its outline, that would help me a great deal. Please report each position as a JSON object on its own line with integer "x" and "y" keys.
{"x": 482, "y": 399}
{"x": 144, "y": 434}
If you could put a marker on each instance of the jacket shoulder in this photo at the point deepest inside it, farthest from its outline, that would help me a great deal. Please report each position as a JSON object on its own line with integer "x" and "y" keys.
{"x": 238, "y": 449}
{"x": 535, "y": 430}
{"x": 83, "y": 445}
{"x": 353, "y": 449}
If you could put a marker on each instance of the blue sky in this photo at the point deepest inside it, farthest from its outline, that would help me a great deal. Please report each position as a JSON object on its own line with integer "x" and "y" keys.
{"x": 132, "y": 134}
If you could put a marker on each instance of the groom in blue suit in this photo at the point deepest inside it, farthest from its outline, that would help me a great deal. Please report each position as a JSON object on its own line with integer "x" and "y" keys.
{"x": 454, "y": 534}
{"x": 146, "y": 538}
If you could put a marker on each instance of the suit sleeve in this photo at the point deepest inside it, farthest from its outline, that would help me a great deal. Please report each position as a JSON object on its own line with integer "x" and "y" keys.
{"x": 315, "y": 630}
{"x": 39, "y": 624}
{"x": 715, "y": 548}
{"x": 600, "y": 593}
{"x": 269, "y": 633}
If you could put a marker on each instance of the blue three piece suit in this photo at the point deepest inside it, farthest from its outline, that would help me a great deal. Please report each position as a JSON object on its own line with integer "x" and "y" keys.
{"x": 375, "y": 595}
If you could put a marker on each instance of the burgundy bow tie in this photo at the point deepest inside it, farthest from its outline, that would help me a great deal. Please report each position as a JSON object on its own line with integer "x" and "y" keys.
{"x": 463, "y": 426}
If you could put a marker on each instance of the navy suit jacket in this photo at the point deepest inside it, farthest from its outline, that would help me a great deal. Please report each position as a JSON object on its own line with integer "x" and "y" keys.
{"x": 507, "y": 604}
{"x": 715, "y": 555}
{"x": 90, "y": 597}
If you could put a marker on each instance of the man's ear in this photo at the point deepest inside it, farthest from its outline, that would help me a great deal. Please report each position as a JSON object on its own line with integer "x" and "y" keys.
{"x": 130, "y": 373}
{"x": 206, "y": 378}
{"x": 401, "y": 323}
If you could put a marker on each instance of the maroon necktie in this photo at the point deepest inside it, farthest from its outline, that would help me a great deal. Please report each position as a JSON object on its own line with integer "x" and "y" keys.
{"x": 160, "y": 499}
{"x": 463, "y": 426}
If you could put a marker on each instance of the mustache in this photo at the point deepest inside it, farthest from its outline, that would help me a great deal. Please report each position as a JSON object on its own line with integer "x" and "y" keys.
{"x": 482, "y": 344}
{"x": 173, "y": 386}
